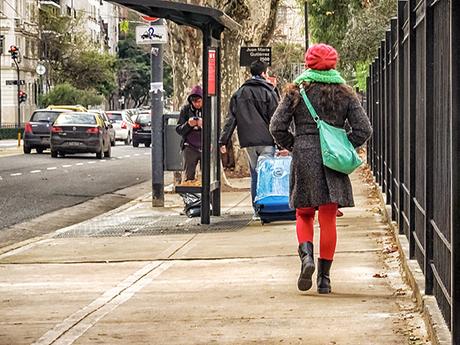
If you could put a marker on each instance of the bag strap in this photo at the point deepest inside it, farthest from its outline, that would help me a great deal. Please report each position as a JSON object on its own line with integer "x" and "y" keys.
{"x": 312, "y": 110}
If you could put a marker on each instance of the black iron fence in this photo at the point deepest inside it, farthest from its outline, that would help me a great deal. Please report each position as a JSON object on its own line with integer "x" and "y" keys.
{"x": 413, "y": 103}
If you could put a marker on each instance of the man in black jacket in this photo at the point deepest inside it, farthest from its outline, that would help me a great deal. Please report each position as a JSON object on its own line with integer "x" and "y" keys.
{"x": 251, "y": 108}
{"x": 189, "y": 127}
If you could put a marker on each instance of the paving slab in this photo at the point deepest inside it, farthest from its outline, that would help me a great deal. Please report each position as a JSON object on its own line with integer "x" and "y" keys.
{"x": 234, "y": 287}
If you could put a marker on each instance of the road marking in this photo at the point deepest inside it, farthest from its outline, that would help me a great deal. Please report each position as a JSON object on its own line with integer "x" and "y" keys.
{"x": 1, "y": 178}
{"x": 137, "y": 154}
{"x": 103, "y": 160}
{"x": 147, "y": 153}
{"x": 127, "y": 156}
{"x": 67, "y": 165}
{"x": 72, "y": 328}
{"x": 51, "y": 168}
{"x": 92, "y": 162}
{"x": 79, "y": 164}
{"x": 16, "y": 174}
{"x": 35, "y": 171}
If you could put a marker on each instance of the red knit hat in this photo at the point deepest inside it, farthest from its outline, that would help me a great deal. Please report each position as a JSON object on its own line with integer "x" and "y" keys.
{"x": 321, "y": 57}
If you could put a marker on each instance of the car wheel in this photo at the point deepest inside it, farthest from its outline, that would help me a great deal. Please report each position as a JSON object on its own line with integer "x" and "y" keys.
{"x": 147, "y": 144}
{"x": 112, "y": 143}
{"x": 54, "y": 154}
{"x": 62, "y": 154}
{"x": 39, "y": 151}
{"x": 26, "y": 149}
{"x": 108, "y": 153}
{"x": 128, "y": 140}
{"x": 135, "y": 144}
{"x": 99, "y": 154}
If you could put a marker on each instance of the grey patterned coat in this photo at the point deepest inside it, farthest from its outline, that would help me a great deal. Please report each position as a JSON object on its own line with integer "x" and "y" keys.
{"x": 313, "y": 184}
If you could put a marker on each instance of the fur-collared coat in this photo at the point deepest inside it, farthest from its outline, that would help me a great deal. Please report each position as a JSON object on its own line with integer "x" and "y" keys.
{"x": 313, "y": 184}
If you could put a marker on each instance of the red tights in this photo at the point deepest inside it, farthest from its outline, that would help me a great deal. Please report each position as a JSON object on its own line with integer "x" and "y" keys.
{"x": 327, "y": 223}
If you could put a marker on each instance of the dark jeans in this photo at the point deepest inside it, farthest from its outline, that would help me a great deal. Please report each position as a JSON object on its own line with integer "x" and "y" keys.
{"x": 191, "y": 158}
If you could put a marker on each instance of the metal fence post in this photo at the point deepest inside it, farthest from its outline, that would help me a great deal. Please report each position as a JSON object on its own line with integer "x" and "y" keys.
{"x": 455, "y": 201}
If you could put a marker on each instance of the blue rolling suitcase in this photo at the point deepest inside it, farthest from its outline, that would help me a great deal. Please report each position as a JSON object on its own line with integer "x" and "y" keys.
{"x": 272, "y": 198}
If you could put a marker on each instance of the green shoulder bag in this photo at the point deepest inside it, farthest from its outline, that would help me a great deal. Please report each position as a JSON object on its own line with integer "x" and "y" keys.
{"x": 337, "y": 151}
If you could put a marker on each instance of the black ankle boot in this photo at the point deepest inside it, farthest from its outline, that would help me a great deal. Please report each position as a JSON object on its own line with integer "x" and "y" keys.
{"x": 307, "y": 266}
{"x": 323, "y": 280}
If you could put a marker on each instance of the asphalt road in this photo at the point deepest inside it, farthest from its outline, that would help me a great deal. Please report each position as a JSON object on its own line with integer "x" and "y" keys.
{"x": 32, "y": 185}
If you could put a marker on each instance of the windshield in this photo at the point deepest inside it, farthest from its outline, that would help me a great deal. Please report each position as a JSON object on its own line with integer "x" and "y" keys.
{"x": 143, "y": 119}
{"x": 81, "y": 119}
{"x": 115, "y": 117}
{"x": 44, "y": 116}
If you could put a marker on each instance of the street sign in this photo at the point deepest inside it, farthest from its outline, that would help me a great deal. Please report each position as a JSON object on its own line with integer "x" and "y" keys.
{"x": 250, "y": 54}
{"x": 150, "y": 19}
{"x": 151, "y": 34}
{"x": 15, "y": 82}
{"x": 212, "y": 71}
{"x": 40, "y": 69}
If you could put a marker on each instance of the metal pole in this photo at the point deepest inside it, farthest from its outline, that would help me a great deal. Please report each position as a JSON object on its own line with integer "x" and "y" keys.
{"x": 455, "y": 178}
{"x": 206, "y": 135}
{"x": 17, "y": 96}
{"x": 156, "y": 113}
{"x": 307, "y": 43}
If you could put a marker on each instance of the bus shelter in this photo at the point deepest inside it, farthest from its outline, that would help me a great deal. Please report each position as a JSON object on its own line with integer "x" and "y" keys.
{"x": 212, "y": 23}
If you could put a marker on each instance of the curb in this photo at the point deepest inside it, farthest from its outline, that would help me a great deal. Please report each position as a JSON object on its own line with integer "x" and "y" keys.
{"x": 437, "y": 328}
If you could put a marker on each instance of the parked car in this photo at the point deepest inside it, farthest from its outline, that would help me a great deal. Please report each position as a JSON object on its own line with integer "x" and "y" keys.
{"x": 80, "y": 133}
{"x": 68, "y": 107}
{"x": 122, "y": 124}
{"x": 142, "y": 130}
{"x": 37, "y": 130}
{"x": 107, "y": 121}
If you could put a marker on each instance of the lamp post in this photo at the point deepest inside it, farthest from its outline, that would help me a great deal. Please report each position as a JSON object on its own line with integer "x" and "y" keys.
{"x": 306, "y": 24}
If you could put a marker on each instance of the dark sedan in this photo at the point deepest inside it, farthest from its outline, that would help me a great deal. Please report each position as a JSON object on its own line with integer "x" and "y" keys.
{"x": 80, "y": 133}
{"x": 37, "y": 130}
{"x": 142, "y": 130}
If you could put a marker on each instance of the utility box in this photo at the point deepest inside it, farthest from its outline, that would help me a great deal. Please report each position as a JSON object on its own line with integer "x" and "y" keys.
{"x": 171, "y": 143}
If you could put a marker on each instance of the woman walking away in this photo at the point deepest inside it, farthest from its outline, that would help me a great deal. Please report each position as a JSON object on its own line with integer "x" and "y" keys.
{"x": 314, "y": 186}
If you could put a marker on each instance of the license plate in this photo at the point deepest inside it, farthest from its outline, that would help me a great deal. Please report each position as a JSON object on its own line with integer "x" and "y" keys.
{"x": 45, "y": 140}
{"x": 74, "y": 143}
{"x": 147, "y": 128}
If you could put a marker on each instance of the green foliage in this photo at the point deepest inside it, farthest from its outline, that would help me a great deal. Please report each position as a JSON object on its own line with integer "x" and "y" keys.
{"x": 354, "y": 27}
{"x": 134, "y": 71}
{"x": 72, "y": 59}
{"x": 92, "y": 70}
{"x": 63, "y": 94}
{"x": 284, "y": 55}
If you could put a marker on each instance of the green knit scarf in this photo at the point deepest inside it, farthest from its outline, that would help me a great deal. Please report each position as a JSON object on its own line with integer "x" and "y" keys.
{"x": 327, "y": 77}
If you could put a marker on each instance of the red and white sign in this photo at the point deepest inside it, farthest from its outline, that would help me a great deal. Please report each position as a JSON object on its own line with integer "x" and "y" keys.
{"x": 150, "y": 19}
{"x": 212, "y": 57}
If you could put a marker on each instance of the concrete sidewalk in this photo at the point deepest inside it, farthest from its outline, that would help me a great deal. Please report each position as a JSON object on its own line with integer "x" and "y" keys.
{"x": 127, "y": 278}
{"x": 10, "y": 148}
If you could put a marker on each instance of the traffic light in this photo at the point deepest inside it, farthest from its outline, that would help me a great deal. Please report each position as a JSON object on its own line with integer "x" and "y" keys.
{"x": 22, "y": 96}
{"x": 14, "y": 51}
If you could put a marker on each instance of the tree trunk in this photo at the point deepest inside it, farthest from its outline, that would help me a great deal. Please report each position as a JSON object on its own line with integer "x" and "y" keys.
{"x": 257, "y": 19}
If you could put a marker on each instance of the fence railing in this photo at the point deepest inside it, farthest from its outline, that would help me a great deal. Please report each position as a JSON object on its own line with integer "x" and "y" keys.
{"x": 413, "y": 103}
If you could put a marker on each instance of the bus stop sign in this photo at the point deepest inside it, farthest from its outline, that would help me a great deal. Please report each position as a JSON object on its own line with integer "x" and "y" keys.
{"x": 250, "y": 54}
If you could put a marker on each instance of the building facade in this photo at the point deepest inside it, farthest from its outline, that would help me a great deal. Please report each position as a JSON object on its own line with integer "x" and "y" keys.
{"x": 19, "y": 27}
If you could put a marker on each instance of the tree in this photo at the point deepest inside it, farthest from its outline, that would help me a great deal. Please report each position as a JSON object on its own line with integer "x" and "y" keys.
{"x": 364, "y": 32}
{"x": 63, "y": 94}
{"x": 257, "y": 20}
{"x": 71, "y": 57}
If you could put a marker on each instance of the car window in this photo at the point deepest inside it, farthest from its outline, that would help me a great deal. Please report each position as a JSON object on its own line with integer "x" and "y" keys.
{"x": 143, "y": 119}
{"x": 81, "y": 119}
{"x": 115, "y": 117}
{"x": 44, "y": 116}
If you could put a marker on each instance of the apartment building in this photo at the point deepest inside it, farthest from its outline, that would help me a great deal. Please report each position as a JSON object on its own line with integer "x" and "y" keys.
{"x": 18, "y": 27}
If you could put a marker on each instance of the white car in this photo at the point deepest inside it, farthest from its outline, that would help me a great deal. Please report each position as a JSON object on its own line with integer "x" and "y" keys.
{"x": 122, "y": 124}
